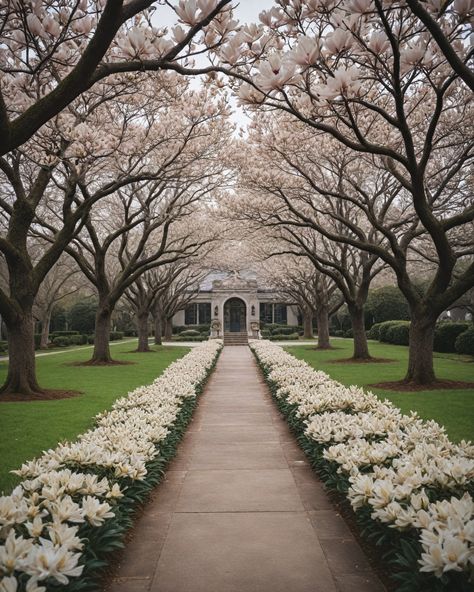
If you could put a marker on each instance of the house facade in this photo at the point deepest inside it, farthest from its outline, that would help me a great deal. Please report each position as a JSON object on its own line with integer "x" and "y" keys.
{"x": 235, "y": 304}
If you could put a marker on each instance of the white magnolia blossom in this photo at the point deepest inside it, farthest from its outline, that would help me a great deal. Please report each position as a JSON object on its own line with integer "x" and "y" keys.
{"x": 40, "y": 519}
{"x": 391, "y": 460}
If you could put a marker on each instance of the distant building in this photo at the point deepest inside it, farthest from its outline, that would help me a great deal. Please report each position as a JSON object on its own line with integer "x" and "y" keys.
{"x": 236, "y": 304}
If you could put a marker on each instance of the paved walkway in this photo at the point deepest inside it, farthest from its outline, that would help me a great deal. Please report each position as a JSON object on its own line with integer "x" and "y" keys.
{"x": 240, "y": 509}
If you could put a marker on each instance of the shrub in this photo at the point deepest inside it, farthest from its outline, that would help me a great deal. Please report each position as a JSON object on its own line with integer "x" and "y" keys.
{"x": 190, "y": 333}
{"x": 465, "y": 342}
{"x": 37, "y": 338}
{"x": 82, "y": 316}
{"x": 63, "y": 333}
{"x": 282, "y": 337}
{"x": 130, "y": 333}
{"x": 116, "y": 335}
{"x": 285, "y": 330}
{"x": 3, "y": 346}
{"x": 61, "y": 341}
{"x": 348, "y": 333}
{"x": 78, "y": 339}
{"x": 188, "y": 338}
{"x": 398, "y": 334}
{"x": 446, "y": 334}
{"x": 373, "y": 332}
{"x": 339, "y": 333}
{"x": 383, "y": 329}
{"x": 90, "y": 339}
{"x": 265, "y": 333}
{"x": 386, "y": 304}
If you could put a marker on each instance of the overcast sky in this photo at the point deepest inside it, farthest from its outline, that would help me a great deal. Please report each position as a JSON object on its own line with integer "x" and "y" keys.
{"x": 246, "y": 11}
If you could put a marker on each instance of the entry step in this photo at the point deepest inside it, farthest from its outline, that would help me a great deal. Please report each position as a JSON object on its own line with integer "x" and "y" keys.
{"x": 236, "y": 338}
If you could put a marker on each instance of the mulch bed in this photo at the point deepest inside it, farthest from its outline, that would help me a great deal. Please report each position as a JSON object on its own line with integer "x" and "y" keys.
{"x": 361, "y": 361}
{"x": 46, "y": 395}
{"x": 93, "y": 363}
{"x": 411, "y": 387}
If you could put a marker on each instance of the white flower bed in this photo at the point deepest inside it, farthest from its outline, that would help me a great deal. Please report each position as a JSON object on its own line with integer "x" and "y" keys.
{"x": 393, "y": 462}
{"x": 40, "y": 520}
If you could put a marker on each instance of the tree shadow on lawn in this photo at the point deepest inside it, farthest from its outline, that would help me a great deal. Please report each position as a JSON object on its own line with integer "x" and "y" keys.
{"x": 43, "y": 395}
{"x": 91, "y": 363}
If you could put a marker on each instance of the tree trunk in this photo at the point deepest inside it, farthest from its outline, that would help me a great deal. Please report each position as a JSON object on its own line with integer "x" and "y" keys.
{"x": 420, "y": 357}
{"x": 45, "y": 322}
{"x": 101, "y": 354}
{"x": 308, "y": 324}
{"x": 361, "y": 347}
{"x": 142, "y": 324}
{"x": 21, "y": 378}
{"x": 158, "y": 329}
{"x": 168, "y": 330}
{"x": 323, "y": 328}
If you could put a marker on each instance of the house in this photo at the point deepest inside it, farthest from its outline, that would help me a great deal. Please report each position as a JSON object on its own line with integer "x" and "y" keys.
{"x": 237, "y": 304}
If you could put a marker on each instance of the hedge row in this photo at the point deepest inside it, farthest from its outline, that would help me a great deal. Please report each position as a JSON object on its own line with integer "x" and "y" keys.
{"x": 449, "y": 337}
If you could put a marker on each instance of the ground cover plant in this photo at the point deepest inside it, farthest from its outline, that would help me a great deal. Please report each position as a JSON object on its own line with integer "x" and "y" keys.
{"x": 410, "y": 487}
{"x": 48, "y": 422}
{"x": 75, "y": 502}
{"x": 454, "y": 409}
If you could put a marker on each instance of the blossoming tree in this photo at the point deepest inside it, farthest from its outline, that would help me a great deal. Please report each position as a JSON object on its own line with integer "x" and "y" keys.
{"x": 370, "y": 76}
{"x": 53, "y": 51}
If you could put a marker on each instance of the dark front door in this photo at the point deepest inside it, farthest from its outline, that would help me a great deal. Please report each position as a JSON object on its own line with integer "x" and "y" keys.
{"x": 234, "y": 315}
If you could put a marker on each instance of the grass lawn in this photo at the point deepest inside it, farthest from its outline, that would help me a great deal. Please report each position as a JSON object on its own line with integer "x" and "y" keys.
{"x": 452, "y": 408}
{"x": 29, "y": 428}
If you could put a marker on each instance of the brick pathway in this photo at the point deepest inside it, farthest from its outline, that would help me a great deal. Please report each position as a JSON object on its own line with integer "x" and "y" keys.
{"x": 240, "y": 509}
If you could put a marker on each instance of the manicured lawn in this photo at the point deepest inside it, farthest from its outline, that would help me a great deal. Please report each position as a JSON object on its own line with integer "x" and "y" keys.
{"x": 452, "y": 408}
{"x": 28, "y": 428}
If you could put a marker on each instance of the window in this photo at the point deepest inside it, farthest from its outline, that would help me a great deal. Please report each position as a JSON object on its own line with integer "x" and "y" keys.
{"x": 190, "y": 315}
{"x": 204, "y": 313}
{"x": 279, "y": 314}
{"x": 266, "y": 312}
{"x": 273, "y": 313}
{"x": 198, "y": 314}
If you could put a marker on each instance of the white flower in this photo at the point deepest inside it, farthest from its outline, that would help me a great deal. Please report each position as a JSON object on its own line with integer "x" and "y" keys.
{"x": 8, "y": 584}
{"x": 306, "y": 52}
{"x": 96, "y": 512}
{"x": 47, "y": 561}
{"x": 275, "y": 73}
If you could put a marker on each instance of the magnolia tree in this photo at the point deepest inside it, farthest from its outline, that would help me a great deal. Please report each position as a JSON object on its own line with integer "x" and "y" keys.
{"x": 371, "y": 77}
{"x": 287, "y": 195}
{"x": 48, "y": 187}
{"x": 63, "y": 280}
{"x": 177, "y": 294}
{"x": 315, "y": 294}
{"x": 158, "y": 221}
{"x": 53, "y": 51}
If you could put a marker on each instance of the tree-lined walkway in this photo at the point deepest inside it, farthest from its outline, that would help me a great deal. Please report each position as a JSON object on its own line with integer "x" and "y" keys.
{"x": 240, "y": 509}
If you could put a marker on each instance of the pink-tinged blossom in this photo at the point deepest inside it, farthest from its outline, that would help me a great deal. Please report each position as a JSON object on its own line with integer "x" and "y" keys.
{"x": 275, "y": 73}
{"x": 378, "y": 42}
{"x": 344, "y": 82}
{"x": 361, "y": 6}
{"x": 337, "y": 41}
{"x": 34, "y": 25}
{"x": 306, "y": 52}
{"x": 187, "y": 11}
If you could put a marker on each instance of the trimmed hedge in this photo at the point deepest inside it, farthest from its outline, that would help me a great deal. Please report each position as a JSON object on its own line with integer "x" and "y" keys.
{"x": 63, "y": 333}
{"x": 116, "y": 335}
{"x": 384, "y": 328}
{"x": 398, "y": 334}
{"x": 446, "y": 333}
{"x": 199, "y": 328}
{"x": 465, "y": 342}
{"x": 61, "y": 341}
{"x": 190, "y": 333}
{"x": 281, "y": 337}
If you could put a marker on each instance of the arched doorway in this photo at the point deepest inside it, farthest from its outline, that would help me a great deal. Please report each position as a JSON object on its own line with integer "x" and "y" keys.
{"x": 235, "y": 315}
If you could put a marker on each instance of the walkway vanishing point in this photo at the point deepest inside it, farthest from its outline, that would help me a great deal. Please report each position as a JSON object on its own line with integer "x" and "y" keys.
{"x": 240, "y": 509}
